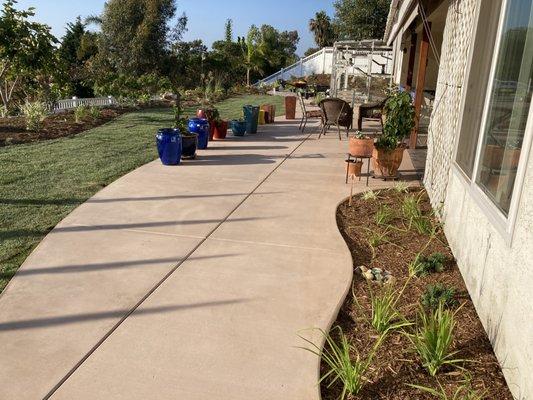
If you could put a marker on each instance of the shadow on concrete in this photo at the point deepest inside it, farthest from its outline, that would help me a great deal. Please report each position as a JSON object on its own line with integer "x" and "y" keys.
{"x": 81, "y": 268}
{"x": 114, "y": 314}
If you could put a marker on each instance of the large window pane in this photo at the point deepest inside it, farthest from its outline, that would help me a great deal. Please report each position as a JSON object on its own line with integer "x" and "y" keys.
{"x": 508, "y": 106}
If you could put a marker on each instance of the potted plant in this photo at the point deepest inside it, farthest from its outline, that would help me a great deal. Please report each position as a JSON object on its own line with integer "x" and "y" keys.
{"x": 361, "y": 145}
{"x": 189, "y": 140}
{"x": 388, "y": 150}
{"x": 221, "y": 129}
{"x": 212, "y": 115}
{"x": 238, "y": 127}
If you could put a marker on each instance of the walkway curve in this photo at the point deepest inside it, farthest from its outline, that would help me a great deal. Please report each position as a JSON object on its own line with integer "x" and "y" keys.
{"x": 186, "y": 282}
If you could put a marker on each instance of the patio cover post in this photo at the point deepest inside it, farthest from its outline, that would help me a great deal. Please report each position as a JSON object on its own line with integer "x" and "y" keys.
{"x": 411, "y": 63}
{"x": 420, "y": 82}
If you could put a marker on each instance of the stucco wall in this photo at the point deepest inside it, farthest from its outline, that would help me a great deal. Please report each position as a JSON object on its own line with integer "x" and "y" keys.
{"x": 499, "y": 276}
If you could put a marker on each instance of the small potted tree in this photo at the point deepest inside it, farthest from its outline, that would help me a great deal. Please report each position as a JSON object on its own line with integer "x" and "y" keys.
{"x": 361, "y": 145}
{"x": 389, "y": 147}
{"x": 189, "y": 140}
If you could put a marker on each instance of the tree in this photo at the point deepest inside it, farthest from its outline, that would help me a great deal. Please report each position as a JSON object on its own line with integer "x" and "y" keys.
{"x": 361, "y": 19}
{"x": 137, "y": 34}
{"x": 78, "y": 46}
{"x": 228, "y": 30}
{"x": 322, "y": 29}
{"x": 26, "y": 49}
{"x": 253, "y": 59}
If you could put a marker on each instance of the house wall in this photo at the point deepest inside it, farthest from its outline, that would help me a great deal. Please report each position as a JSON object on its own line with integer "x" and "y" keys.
{"x": 498, "y": 274}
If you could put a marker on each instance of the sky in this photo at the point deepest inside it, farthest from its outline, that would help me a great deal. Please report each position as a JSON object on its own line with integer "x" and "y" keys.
{"x": 206, "y": 17}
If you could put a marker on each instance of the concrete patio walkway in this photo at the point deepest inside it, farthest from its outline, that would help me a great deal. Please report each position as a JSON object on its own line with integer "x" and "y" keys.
{"x": 189, "y": 282}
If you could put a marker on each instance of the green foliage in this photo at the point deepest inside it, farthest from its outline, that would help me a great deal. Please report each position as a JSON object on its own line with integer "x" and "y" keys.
{"x": 94, "y": 112}
{"x": 361, "y": 19}
{"x": 413, "y": 214}
{"x": 385, "y": 314}
{"x": 422, "y": 265}
{"x": 401, "y": 187}
{"x": 322, "y": 29}
{"x": 27, "y": 52}
{"x": 35, "y": 113}
{"x": 369, "y": 195}
{"x": 433, "y": 337}
{"x": 464, "y": 392}
{"x": 400, "y": 120}
{"x": 438, "y": 294}
{"x": 132, "y": 87}
{"x": 341, "y": 367}
{"x": 384, "y": 215}
{"x": 81, "y": 113}
{"x": 228, "y": 30}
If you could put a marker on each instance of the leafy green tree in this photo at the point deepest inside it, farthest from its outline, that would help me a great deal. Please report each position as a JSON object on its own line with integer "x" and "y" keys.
{"x": 136, "y": 34}
{"x": 361, "y": 19}
{"x": 253, "y": 60}
{"x": 26, "y": 50}
{"x": 77, "y": 47}
{"x": 322, "y": 29}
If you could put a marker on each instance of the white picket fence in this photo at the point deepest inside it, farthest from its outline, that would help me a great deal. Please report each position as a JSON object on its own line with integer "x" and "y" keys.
{"x": 68, "y": 104}
{"x": 316, "y": 63}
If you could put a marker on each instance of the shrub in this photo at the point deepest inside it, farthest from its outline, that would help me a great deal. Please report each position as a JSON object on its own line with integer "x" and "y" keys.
{"x": 399, "y": 122}
{"x": 438, "y": 294}
{"x": 433, "y": 339}
{"x": 80, "y": 113}
{"x": 94, "y": 112}
{"x": 422, "y": 265}
{"x": 341, "y": 367}
{"x": 35, "y": 114}
{"x": 401, "y": 187}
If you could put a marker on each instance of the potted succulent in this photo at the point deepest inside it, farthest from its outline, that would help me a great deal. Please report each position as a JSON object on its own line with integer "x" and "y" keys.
{"x": 238, "y": 127}
{"x": 361, "y": 145}
{"x": 388, "y": 149}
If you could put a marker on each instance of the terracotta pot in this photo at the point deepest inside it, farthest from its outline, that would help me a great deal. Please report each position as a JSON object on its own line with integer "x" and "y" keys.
{"x": 212, "y": 127}
{"x": 290, "y": 107}
{"x": 386, "y": 162}
{"x": 354, "y": 167}
{"x": 221, "y": 129}
{"x": 361, "y": 147}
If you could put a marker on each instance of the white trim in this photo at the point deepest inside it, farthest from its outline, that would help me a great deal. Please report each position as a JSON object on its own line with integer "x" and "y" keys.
{"x": 505, "y": 225}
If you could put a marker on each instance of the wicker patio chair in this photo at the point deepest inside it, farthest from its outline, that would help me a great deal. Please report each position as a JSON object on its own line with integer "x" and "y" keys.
{"x": 336, "y": 112}
{"x": 366, "y": 111}
{"x": 306, "y": 114}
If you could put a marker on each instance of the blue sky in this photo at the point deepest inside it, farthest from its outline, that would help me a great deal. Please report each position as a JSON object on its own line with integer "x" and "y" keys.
{"x": 206, "y": 17}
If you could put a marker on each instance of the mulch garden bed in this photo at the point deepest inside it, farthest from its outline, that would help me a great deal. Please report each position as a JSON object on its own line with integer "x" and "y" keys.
{"x": 395, "y": 243}
{"x": 13, "y": 129}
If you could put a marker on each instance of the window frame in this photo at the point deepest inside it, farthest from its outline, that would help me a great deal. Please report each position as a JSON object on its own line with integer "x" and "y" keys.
{"x": 504, "y": 224}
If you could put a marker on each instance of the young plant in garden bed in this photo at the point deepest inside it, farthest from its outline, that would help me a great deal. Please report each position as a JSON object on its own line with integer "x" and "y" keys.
{"x": 369, "y": 195}
{"x": 422, "y": 265}
{"x": 433, "y": 337}
{"x": 439, "y": 294}
{"x": 385, "y": 315}
{"x": 341, "y": 367}
{"x": 464, "y": 392}
{"x": 384, "y": 215}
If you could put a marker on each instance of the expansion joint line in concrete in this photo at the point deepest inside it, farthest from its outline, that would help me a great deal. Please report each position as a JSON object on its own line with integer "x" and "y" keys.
{"x": 158, "y": 284}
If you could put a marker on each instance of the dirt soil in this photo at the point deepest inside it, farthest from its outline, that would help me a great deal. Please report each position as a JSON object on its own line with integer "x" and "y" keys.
{"x": 396, "y": 364}
{"x": 13, "y": 129}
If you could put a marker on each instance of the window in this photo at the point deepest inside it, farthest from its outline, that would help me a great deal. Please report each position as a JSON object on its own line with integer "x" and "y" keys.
{"x": 497, "y": 102}
{"x": 508, "y": 106}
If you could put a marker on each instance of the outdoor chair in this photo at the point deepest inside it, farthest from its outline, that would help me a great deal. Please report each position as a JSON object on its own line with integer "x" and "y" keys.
{"x": 366, "y": 111}
{"x": 306, "y": 114}
{"x": 336, "y": 112}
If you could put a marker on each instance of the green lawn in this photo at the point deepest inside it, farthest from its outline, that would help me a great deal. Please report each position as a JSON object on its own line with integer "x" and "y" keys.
{"x": 42, "y": 182}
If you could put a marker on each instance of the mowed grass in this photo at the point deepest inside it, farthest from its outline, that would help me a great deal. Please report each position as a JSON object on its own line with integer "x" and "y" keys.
{"x": 40, "y": 183}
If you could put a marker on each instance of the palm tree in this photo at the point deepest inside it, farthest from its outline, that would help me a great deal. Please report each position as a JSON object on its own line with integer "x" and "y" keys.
{"x": 322, "y": 28}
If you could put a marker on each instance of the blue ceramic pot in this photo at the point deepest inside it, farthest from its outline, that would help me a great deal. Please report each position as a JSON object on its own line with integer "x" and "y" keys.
{"x": 200, "y": 126}
{"x": 168, "y": 142}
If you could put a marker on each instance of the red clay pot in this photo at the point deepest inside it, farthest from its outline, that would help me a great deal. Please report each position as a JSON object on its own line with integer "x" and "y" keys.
{"x": 212, "y": 127}
{"x": 221, "y": 129}
{"x": 201, "y": 113}
{"x": 386, "y": 162}
{"x": 361, "y": 147}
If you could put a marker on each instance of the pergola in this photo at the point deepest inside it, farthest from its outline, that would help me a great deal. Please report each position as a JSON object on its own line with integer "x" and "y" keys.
{"x": 368, "y": 58}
